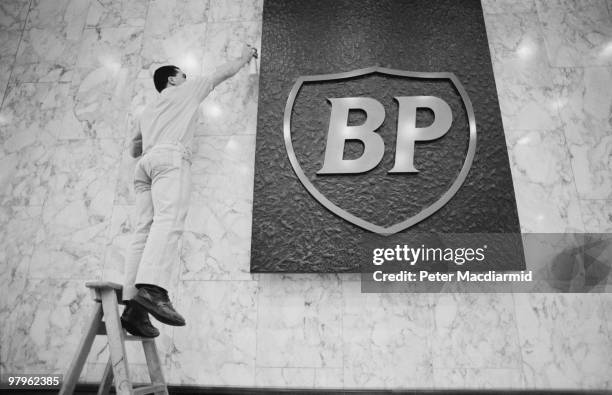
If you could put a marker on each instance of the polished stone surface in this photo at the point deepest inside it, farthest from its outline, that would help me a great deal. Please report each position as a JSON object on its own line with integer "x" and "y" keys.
{"x": 300, "y": 318}
{"x": 565, "y": 341}
{"x": 80, "y": 73}
{"x": 545, "y": 193}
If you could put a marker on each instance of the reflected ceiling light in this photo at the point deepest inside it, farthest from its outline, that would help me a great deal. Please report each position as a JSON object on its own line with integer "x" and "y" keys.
{"x": 526, "y": 49}
{"x": 558, "y": 104}
{"x": 211, "y": 110}
{"x": 524, "y": 140}
{"x": 606, "y": 52}
{"x": 244, "y": 169}
{"x": 189, "y": 64}
{"x": 231, "y": 146}
{"x": 110, "y": 63}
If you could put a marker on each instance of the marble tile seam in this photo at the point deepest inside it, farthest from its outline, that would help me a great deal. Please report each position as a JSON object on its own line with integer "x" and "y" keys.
{"x": 47, "y": 28}
{"x": 258, "y": 312}
{"x": 531, "y": 130}
{"x": 45, "y": 276}
{"x": 315, "y": 368}
{"x": 23, "y": 22}
{"x": 220, "y": 280}
{"x": 142, "y": 41}
{"x": 541, "y": 32}
{"x": 579, "y": 67}
{"x": 87, "y": 138}
{"x": 607, "y": 317}
{"x": 204, "y": 135}
{"x": 21, "y": 206}
{"x": 561, "y": 30}
{"x": 15, "y": 56}
{"x": 520, "y": 347}
{"x": 572, "y": 165}
{"x": 343, "y": 349}
{"x": 509, "y": 13}
{"x": 259, "y": 19}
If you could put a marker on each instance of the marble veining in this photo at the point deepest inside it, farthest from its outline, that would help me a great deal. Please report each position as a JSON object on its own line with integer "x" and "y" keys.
{"x": 50, "y": 42}
{"x": 110, "y": 47}
{"x": 564, "y": 340}
{"x": 120, "y": 236}
{"x": 34, "y": 336}
{"x": 300, "y": 319}
{"x": 181, "y": 45}
{"x": 585, "y": 107}
{"x": 167, "y": 15}
{"x": 232, "y": 106}
{"x": 28, "y": 139}
{"x": 13, "y": 14}
{"x": 9, "y": 42}
{"x": 238, "y": 10}
{"x": 217, "y": 240}
{"x": 527, "y": 95}
{"x": 285, "y": 377}
{"x": 485, "y": 378}
{"x": 223, "y": 316}
{"x": 101, "y": 97}
{"x": 518, "y": 49}
{"x": 597, "y": 215}
{"x": 475, "y": 331}
{"x": 110, "y": 13}
{"x": 20, "y": 225}
{"x": 542, "y": 175}
{"x": 507, "y": 6}
{"x": 578, "y": 33}
{"x": 387, "y": 339}
{"x": 77, "y": 212}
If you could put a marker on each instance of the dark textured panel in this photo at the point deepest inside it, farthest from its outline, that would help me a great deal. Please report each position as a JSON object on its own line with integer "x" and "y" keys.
{"x": 292, "y": 232}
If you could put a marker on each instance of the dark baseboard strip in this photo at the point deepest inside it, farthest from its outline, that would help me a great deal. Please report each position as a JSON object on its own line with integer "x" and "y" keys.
{"x": 91, "y": 389}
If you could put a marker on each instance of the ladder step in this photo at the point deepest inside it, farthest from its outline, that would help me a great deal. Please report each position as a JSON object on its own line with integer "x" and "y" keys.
{"x": 149, "y": 389}
{"x": 104, "y": 284}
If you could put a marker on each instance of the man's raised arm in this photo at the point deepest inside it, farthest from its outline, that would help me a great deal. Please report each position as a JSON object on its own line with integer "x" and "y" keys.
{"x": 229, "y": 69}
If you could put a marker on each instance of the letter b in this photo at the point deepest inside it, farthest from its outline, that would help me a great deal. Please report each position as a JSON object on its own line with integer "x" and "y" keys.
{"x": 339, "y": 132}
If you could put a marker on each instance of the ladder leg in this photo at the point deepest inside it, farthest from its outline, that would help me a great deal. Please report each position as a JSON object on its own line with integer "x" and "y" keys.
{"x": 123, "y": 386}
{"x": 154, "y": 364}
{"x": 76, "y": 367}
{"x": 107, "y": 379}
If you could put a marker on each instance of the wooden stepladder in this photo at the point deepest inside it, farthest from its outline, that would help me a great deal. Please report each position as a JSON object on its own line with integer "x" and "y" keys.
{"x": 105, "y": 321}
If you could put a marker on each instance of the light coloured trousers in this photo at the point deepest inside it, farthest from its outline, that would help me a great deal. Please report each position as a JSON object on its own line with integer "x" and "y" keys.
{"x": 162, "y": 183}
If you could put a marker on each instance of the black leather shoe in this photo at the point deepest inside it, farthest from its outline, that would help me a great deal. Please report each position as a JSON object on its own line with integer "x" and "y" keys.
{"x": 155, "y": 301}
{"x": 136, "y": 321}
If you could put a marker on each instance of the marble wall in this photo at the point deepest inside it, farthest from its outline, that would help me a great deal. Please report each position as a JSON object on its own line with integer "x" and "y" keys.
{"x": 74, "y": 75}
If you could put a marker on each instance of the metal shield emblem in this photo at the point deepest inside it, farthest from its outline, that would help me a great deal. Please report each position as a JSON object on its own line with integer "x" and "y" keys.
{"x": 440, "y": 200}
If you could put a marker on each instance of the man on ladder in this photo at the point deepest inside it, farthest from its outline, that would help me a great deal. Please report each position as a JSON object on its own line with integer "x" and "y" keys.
{"x": 162, "y": 183}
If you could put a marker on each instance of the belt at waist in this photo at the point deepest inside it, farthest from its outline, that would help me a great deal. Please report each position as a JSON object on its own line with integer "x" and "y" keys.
{"x": 175, "y": 146}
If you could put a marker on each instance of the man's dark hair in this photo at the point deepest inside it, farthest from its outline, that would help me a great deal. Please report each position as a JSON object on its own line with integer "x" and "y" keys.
{"x": 160, "y": 77}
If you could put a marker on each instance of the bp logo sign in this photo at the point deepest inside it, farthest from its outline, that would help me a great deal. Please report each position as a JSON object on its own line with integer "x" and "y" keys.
{"x": 381, "y": 148}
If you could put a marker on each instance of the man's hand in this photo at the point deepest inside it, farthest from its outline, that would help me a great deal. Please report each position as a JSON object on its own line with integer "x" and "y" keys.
{"x": 136, "y": 146}
{"x": 229, "y": 69}
{"x": 248, "y": 52}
